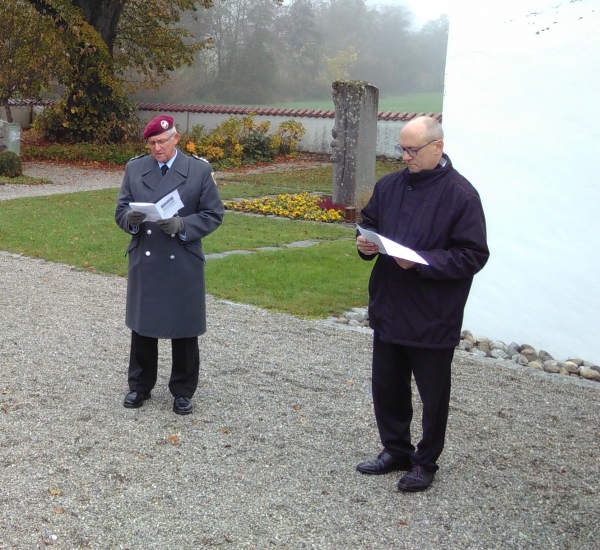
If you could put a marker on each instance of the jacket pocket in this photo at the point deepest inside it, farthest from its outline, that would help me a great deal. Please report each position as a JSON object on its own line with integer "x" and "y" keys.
{"x": 195, "y": 248}
{"x": 431, "y": 298}
{"x": 133, "y": 243}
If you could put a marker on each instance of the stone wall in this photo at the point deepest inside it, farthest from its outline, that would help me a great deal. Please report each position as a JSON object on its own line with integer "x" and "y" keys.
{"x": 318, "y": 124}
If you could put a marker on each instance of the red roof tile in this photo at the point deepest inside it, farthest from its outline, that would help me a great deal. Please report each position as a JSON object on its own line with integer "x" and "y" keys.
{"x": 229, "y": 109}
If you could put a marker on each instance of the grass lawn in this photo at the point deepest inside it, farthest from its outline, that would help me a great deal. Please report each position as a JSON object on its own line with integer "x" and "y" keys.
{"x": 309, "y": 282}
{"x": 242, "y": 232}
{"x": 273, "y": 183}
{"x": 312, "y": 180}
{"x": 425, "y": 102}
{"x": 78, "y": 229}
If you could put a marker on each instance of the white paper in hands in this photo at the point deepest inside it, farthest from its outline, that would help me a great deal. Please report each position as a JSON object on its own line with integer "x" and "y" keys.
{"x": 387, "y": 246}
{"x": 165, "y": 208}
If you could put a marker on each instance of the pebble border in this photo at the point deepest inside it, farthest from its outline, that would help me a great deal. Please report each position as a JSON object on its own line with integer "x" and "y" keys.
{"x": 522, "y": 355}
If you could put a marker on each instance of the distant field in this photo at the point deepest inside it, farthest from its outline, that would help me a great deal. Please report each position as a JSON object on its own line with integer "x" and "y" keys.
{"x": 431, "y": 102}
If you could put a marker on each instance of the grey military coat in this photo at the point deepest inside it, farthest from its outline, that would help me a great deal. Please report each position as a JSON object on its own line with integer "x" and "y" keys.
{"x": 165, "y": 284}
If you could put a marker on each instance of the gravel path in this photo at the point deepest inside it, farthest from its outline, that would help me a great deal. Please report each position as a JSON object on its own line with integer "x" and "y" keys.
{"x": 65, "y": 178}
{"x": 69, "y": 179}
{"x": 282, "y": 415}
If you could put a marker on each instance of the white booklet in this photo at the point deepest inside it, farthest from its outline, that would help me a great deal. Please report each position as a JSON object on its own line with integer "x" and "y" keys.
{"x": 165, "y": 208}
{"x": 387, "y": 246}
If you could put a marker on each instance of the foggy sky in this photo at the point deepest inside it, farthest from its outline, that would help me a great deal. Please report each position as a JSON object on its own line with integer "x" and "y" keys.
{"x": 423, "y": 10}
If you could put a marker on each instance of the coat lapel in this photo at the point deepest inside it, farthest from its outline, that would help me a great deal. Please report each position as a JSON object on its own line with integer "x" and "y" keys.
{"x": 151, "y": 175}
{"x": 176, "y": 175}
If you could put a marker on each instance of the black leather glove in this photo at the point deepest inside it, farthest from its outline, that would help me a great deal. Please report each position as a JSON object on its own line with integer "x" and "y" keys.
{"x": 172, "y": 225}
{"x": 135, "y": 218}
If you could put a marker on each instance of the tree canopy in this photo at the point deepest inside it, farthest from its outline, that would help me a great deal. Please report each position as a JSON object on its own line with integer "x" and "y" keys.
{"x": 113, "y": 48}
{"x": 30, "y": 52}
{"x": 262, "y": 52}
{"x": 238, "y": 51}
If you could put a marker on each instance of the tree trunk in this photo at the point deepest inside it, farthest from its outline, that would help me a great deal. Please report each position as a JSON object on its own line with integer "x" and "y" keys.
{"x": 4, "y": 103}
{"x": 104, "y": 16}
{"x": 93, "y": 106}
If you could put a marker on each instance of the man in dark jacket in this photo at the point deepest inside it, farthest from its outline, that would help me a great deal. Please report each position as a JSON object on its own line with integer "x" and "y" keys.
{"x": 416, "y": 311}
{"x": 165, "y": 284}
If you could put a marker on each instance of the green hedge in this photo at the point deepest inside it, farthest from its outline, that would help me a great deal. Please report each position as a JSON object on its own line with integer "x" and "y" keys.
{"x": 10, "y": 164}
{"x": 112, "y": 154}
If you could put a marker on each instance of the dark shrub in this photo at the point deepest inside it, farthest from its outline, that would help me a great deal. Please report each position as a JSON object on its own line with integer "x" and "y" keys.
{"x": 10, "y": 164}
{"x": 257, "y": 148}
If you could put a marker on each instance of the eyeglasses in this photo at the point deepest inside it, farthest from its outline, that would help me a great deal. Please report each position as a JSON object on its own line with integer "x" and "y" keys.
{"x": 412, "y": 151}
{"x": 159, "y": 141}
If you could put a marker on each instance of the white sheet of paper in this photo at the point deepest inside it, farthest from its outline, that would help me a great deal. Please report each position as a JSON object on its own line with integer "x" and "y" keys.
{"x": 165, "y": 208}
{"x": 387, "y": 246}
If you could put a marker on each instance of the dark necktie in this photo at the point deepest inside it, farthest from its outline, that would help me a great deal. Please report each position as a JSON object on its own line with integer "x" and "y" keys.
{"x": 164, "y": 169}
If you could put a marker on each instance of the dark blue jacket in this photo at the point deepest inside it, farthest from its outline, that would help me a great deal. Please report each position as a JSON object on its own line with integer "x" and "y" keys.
{"x": 438, "y": 214}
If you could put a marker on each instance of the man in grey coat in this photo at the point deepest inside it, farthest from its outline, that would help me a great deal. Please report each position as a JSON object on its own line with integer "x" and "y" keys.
{"x": 165, "y": 284}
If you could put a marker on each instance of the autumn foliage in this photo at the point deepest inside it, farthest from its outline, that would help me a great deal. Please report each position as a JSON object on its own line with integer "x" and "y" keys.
{"x": 108, "y": 48}
{"x": 242, "y": 140}
{"x": 31, "y": 53}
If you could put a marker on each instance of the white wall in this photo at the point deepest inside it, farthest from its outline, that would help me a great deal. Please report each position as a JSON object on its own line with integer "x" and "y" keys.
{"x": 318, "y": 130}
{"x": 316, "y": 140}
{"x": 521, "y": 118}
{"x": 20, "y": 115}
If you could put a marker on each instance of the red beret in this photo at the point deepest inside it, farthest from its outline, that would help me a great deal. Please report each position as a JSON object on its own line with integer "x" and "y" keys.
{"x": 158, "y": 125}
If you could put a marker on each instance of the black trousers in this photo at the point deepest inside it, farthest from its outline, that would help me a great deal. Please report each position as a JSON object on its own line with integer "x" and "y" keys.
{"x": 393, "y": 366}
{"x": 143, "y": 365}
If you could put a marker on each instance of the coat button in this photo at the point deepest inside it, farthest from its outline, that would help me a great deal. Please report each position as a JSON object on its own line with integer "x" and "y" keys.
{"x": 147, "y": 253}
{"x": 172, "y": 257}
{"x": 409, "y": 188}
{"x": 149, "y": 231}
{"x": 172, "y": 234}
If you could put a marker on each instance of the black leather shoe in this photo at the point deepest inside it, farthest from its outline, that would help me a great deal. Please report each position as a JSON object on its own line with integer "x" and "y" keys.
{"x": 182, "y": 405}
{"x": 134, "y": 400}
{"x": 383, "y": 464}
{"x": 416, "y": 480}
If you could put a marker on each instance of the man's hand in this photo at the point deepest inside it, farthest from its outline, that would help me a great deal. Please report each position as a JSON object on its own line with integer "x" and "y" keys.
{"x": 172, "y": 225}
{"x": 405, "y": 264}
{"x": 135, "y": 218}
{"x": 366, "y": 247}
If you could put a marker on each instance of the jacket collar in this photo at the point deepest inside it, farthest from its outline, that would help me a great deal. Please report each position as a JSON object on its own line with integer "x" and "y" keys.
{"x": 431, "y": 176}
{"x": 161, "y": 186}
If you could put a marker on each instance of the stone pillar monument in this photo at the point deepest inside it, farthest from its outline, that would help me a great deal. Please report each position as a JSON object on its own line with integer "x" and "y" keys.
{"x": 355, "y": 137}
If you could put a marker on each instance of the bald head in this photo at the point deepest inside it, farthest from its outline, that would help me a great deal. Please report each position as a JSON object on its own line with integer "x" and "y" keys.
{"x": 422, "y": 142}
{"x": 429, "y": 127}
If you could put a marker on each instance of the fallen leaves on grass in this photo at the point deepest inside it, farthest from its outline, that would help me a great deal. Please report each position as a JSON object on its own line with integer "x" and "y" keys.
{"x": 24, "y": 180}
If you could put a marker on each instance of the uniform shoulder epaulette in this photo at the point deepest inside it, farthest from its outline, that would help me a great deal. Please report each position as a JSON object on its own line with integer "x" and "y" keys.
{"x": 138, "y": 157}
{"x": 200, "y": 158}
